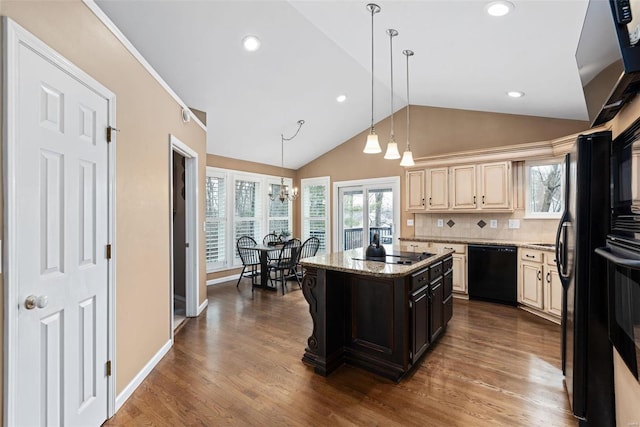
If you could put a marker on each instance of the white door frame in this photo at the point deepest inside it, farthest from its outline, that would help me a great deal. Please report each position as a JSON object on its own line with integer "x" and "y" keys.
{"x": 393, "y": 181}
{"x": 14, "y": 36}
{"x": 191, "y": 232}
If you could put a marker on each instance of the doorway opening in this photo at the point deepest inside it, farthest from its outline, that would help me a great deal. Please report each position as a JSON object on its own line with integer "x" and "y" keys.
{"x": 179, "y": 240}
{"x": 364, "y": 208}
{"x": 183, "y": 171}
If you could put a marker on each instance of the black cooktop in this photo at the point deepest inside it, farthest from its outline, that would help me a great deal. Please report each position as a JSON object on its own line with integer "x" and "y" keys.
{"x": 406, "y": 258}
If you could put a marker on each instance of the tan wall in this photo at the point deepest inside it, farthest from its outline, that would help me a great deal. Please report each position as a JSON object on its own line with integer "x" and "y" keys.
{"x": 145, "y": 115}
{"x": 253, "y": 167}
{"x": 433, "y": 131}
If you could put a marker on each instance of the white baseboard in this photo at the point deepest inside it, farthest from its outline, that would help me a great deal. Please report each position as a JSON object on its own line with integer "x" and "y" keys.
{"x": 222, "y": 279}
{"x": 144, "y": 372}
{"x": 204, "y": 305}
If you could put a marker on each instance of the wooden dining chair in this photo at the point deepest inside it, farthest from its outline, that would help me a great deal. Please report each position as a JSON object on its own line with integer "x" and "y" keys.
{"x": 309, "y": 248}
{"x": 286, "y": 262}
{"x": 270, "y": 240}
{"x": 250, "y": 259}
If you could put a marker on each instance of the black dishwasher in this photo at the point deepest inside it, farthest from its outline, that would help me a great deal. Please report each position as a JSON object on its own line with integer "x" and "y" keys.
{"x": 493, "y": 273}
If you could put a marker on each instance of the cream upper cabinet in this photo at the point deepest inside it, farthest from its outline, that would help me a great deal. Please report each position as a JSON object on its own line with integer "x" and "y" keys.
{"x": 415, "y": 190}
{"x": 495, "y": 185}
{"x": 463, "y": 187}
{"x": 437, "y": 189}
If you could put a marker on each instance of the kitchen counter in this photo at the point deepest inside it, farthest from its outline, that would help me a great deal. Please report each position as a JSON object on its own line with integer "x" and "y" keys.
{"x": 479, "y": 241}
{"x": 379, "y": 316}
{"x": 351, "y": 262}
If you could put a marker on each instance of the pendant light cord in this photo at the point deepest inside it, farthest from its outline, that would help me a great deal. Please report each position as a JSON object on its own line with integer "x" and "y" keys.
{"x": 408, "y": 103}
{"x": 392, "y": 33}
{"x": 282, "y": 140}
{"x": 373, "y": 11}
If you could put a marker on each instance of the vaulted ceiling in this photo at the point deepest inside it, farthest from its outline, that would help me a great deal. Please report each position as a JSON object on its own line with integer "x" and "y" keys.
{"x": 313, "y": 51}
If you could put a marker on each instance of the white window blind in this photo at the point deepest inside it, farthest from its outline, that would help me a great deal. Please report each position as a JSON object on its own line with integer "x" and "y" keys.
{"x": 278, "y": 220}
{"x": 248, "y": 210}
{"x": 315, "y": 211}
{"x": 237, "y": 205}
{"x": 216, "y": 220}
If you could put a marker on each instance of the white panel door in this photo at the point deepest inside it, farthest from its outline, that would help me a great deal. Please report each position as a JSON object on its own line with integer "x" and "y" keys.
{"x": 61, "y": 182}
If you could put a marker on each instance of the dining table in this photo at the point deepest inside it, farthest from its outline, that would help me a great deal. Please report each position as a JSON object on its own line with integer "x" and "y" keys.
{"x": 264, "y": 263}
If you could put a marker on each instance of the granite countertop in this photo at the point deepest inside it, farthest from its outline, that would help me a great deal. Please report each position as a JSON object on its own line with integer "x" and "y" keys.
{"x": 543, "y": 246}
{"x": 344, "y": 261}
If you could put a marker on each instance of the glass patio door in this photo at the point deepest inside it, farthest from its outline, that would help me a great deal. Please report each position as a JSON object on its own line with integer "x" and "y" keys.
{"x": 365, "y": 210}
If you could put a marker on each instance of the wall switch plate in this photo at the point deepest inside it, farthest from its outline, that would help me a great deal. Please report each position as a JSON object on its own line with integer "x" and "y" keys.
{"x": 410, "y": 222}
{"x": 441, "y": 223}
{"x": 493, "y": 223}
{"x": 514, "y": 223}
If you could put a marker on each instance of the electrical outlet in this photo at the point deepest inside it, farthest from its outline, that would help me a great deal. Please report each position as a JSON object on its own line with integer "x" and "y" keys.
{"x": 410, "y": 222}
{"x": 441, "y": 223}
{"x": 493, "y": 223}
{"x": 514, "y": 223}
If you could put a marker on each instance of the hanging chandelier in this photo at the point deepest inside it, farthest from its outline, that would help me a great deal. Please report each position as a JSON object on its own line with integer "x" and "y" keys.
{"x": 284, "y": 194}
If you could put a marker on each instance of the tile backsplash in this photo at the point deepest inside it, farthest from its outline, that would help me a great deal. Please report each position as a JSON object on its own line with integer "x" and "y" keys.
{"x": 478, "y": 225}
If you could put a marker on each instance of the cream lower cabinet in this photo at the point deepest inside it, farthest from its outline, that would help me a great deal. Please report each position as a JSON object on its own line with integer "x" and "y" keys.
{"x": 539, "y": 284}
{"x": 552, "y": 286}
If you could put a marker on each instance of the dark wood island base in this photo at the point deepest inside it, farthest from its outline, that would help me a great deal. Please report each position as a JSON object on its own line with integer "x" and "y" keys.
{"x": 380, "y": 317}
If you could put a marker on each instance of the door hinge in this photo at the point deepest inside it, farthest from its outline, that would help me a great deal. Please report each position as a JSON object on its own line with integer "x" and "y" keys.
{"x": 109, "y": 251}
{"x": 110, "y": 131}
{"x": 108, "y": 368}
{"x": 186, "y": 245}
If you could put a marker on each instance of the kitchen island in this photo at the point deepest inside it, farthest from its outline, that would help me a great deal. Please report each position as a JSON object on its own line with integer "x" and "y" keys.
{"x": 380, "y": 316}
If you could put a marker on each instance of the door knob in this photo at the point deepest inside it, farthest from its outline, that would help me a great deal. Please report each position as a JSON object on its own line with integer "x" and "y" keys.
{"x": 33, "y": 301}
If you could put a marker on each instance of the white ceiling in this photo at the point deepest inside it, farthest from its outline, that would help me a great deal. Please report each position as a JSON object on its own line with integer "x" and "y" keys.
{"x": 312, "y": 51}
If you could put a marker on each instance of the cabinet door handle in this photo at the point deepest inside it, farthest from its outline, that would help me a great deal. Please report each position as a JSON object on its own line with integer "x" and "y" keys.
{"x": 423, "y": 201}
{"x": 530, "y": 256}
{"x": 474, "y": 200}
{"x": 483, "y": 200}
{"x": 421, "y": 297}
{"x": 429, "y": 201}
{"x": 448, "y": 248}
{"x": 548, "y": 277}
{"x": 539, "y": 275}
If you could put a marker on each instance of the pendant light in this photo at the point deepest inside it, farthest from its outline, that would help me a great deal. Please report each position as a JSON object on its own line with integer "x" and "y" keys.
{"x": 407, "y": 156}
{"x": 392, "y": 147}
{"x": 372, "y": 147}
{"x": 284, "y": 194}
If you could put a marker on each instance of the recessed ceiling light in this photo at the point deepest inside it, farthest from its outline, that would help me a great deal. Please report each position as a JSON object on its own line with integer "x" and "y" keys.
{"x": 341, "y": 98}
{"x": 515, "y": 94}
{"x": 499, "y": 8}
{"x": 251, "y": 43}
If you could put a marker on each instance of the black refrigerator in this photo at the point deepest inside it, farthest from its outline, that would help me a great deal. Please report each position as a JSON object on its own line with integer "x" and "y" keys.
{"x": 587, "y": 360}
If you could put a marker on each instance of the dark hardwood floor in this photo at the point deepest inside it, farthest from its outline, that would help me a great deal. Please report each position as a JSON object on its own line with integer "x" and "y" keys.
{"x": 239, "y": 364}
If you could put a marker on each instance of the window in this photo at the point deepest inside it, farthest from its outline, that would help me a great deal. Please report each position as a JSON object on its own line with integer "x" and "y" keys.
{"x": 248, "y": 216}
{"x": 278, "y": 220}
{"x": 236, "y": 205}
{"x": 544, "y": 189}
{"x": 215, "y": 220}
{"x": 315, "y": 211}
